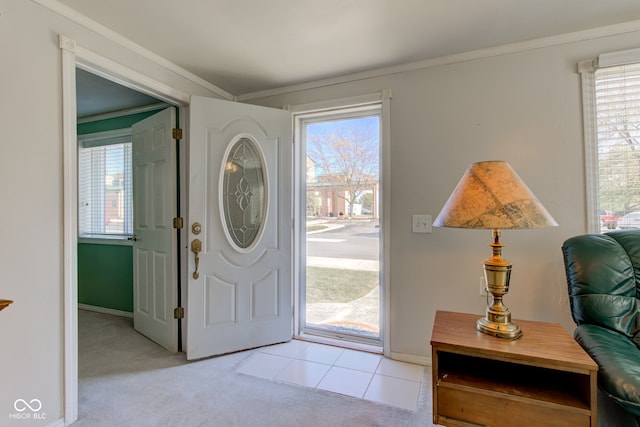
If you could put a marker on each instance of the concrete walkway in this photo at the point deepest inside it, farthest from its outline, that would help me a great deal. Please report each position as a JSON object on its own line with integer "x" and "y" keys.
{"x": 343, "y": 263}
{"x": 362, "y": 313}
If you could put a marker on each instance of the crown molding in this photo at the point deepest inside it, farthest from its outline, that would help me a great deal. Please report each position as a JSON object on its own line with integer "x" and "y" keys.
{"x": 506, "y": 49}
{"x": 98, "y": 28}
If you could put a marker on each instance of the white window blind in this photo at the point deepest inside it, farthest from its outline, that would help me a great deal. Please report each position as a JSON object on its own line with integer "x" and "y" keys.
{"x": 617, "y": 102}
{"x": 105, "y": 185}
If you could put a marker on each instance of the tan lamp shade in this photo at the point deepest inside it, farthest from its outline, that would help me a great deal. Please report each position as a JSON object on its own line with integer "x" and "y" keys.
{"x": 491, "y": 195}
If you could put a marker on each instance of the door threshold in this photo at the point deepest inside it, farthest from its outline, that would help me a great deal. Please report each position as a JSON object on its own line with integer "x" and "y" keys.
{"x": 351, "y": 345}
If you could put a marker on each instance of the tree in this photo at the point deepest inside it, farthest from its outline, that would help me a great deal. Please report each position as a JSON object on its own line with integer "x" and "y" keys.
{"x": 346, "y": 155}
{"x": 367, "y": 201}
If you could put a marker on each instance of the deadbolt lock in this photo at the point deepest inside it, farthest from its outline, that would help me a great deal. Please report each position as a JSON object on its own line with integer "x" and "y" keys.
{"x": 196, "y": 228}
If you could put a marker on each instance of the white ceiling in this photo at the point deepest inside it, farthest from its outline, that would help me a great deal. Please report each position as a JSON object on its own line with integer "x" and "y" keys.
{"x": 244, "y": 46}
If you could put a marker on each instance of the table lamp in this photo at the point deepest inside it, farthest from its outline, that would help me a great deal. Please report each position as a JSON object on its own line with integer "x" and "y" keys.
{"x": 490, "y": 195}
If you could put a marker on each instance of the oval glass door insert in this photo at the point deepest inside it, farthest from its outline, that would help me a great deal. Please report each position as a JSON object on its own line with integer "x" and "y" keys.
{"x": 244, "y": 193}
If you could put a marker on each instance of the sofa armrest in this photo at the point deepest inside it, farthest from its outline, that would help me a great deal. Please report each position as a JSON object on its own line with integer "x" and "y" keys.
{"x": 618, "y": 361}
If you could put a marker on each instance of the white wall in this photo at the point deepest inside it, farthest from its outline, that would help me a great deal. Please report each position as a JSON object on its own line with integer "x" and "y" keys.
{"x": 524, "y": 108}
{"x": 31, "y": 190}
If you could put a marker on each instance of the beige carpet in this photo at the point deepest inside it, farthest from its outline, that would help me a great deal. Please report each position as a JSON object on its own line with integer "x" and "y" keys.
{"x": 127, "y": 380}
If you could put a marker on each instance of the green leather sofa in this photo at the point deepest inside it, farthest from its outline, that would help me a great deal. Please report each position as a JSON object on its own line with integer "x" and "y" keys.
{"x": 603, "y": 275}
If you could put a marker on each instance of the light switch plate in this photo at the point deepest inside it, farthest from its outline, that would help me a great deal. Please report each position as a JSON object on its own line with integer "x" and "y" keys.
{"x": 421, "y": 223}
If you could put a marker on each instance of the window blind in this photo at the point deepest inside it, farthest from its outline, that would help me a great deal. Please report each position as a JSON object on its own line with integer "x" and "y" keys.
{"x": 617, "y": 93}
{"x": 105, "y": 187}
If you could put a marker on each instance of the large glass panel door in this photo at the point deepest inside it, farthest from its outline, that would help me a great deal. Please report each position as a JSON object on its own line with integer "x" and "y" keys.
{"x": 340, "y": 280}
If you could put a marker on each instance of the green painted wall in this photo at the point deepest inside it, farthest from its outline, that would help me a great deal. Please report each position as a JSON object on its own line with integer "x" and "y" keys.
{"x": 105, "y": 276}
{"x": 105, "y": 272}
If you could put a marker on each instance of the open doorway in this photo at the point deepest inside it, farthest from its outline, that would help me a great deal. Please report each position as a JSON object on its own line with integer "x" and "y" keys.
{"x": 105, "y": 113}
{"x": 128, "y": 208}
{"x": 119, "y": 187}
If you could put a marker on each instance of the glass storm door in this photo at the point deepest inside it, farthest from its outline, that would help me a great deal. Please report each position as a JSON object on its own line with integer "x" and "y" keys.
{"x": 340, "y": 266}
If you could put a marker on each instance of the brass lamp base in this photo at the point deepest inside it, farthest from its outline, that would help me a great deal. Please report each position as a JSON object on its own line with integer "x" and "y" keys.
{"x": 497, "y": 273}
{"x": 508, "y": 329}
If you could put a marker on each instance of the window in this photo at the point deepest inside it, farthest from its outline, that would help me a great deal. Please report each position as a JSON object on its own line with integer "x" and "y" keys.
{"x": 105, "y": 185}
{"x": 612, "y": 94}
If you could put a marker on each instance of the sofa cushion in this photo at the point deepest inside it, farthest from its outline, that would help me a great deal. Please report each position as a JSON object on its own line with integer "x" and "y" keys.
{"x": 618, "y": 360}
{"x": 602, "y": 281}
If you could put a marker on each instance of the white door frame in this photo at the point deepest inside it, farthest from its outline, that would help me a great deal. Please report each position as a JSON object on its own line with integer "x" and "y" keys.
{"x": 75, "y": 56}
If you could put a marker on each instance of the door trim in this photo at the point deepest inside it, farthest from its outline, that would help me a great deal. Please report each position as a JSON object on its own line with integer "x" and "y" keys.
{"x": 75, "y": 56}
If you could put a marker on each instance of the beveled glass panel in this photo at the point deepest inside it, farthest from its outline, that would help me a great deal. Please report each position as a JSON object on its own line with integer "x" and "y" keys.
{"x": 244, "y": 195}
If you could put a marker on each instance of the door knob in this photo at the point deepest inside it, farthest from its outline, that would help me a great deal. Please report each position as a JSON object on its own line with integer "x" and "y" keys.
{"x": 196, "y": 247}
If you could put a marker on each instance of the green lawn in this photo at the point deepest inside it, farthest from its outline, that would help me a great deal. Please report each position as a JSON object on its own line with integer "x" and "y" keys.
{"x": 338, "y": 285}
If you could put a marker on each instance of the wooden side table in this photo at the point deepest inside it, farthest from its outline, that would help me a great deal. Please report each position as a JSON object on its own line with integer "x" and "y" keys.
{"x": 542, "y": 379}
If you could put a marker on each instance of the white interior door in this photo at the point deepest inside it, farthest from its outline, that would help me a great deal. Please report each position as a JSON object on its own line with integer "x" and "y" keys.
{"x": 154, "y": 260}
{"x": 240, "y": 204}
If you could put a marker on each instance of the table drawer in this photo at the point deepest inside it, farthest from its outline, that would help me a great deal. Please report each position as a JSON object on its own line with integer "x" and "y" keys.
{"x": 496, "y": 410}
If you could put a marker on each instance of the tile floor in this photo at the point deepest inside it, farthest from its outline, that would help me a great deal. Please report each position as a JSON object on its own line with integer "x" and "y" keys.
{"x": 354, "y": 373}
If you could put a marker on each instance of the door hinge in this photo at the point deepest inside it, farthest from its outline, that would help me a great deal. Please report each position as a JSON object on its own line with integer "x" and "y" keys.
{"x": 178, "y": 222}
{"x": 177, "y": 133}
{"x": 178, "y": 313}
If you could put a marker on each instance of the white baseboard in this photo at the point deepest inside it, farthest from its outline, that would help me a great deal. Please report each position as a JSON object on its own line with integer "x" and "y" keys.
{"x": 412, "y": 358}
{"x": 105, "y": 310}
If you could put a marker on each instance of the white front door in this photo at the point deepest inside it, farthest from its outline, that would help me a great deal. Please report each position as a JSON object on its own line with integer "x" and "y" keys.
{"x": 240, "y": 226}
{"x": 154, "y": 207}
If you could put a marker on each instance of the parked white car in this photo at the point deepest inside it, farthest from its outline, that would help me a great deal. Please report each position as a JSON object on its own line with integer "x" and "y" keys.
{"x": 631, "y": 220}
